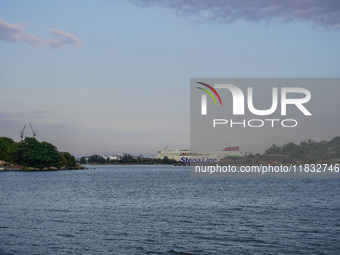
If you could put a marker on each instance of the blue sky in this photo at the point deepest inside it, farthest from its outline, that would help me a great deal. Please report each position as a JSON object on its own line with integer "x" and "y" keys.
{"x": 113, "y": 76}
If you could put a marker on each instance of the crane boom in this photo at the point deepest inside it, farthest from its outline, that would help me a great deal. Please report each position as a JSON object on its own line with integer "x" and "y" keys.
{"x": 33, "y": 131}
{"x": 22, "y": 133}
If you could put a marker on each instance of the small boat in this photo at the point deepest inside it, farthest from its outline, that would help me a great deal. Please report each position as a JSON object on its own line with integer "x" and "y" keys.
{"x": 2, "y": 169}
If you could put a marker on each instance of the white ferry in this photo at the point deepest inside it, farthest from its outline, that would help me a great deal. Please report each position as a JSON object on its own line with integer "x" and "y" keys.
{"x": 188, "y": 156}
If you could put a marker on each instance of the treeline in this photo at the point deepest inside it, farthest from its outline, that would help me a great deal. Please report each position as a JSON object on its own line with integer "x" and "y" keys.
{"x": 32, "y": 153}
{"x": 126, "y": 159}
{"x": 309, "y": 150}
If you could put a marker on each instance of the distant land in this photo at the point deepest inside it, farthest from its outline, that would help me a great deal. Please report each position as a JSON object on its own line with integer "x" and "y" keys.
{"x": 30, "y": 154}
{"x": 309, "y": 151}
{"x": 125, "y": 159}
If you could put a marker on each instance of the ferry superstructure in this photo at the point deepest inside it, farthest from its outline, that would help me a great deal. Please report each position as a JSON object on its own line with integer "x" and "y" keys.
{"x": 187, "y": 155}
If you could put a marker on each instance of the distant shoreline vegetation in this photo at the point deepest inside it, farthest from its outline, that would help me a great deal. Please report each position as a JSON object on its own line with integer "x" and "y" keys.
{"x": 307, "y": 152}
{"x": 126, "y": 159}
{"x": 30, "y": 154}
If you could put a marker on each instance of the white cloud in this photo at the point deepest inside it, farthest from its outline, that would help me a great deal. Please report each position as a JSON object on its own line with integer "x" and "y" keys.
{"x": 63, "y": 39}
{"x": 16, "y": 33}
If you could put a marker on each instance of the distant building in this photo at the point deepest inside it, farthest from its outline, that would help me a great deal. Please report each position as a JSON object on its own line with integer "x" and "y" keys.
{"x": 180, "y": 155}
{"x": 112, "y": 157}
{"x": 272, "y": 159}
{"x": 300, "y": 161}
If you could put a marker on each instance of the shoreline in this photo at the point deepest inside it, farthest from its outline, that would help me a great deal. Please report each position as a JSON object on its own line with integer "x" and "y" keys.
{"x": 33, "y": 169}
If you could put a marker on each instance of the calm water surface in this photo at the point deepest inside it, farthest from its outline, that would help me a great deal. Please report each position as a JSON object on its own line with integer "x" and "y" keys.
{"x": 161, "y": 210}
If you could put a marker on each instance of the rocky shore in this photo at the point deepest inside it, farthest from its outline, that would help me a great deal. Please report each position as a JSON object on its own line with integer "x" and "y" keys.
{"x": 52, "y": 168}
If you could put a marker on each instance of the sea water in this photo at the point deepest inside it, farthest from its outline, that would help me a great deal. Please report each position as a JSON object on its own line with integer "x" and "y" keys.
{"x": 161, "y": 210}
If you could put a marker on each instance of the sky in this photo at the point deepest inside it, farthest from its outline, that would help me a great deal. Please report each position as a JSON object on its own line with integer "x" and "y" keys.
{"x": 113, "y": 76}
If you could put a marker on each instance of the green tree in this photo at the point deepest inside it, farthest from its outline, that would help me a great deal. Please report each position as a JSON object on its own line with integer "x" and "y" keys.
{"x": 166, "y": 160}
{"x": 97, "y": 159}
{"x": 274, "y": 149}
{"x": 66, "y": 160}
{"x": 335, "y": 144}
{"x": 127, "y": 158}
{"x": 33, "y": 153}
{"x": 83, "y": 160}
{"x": 7, "y": 149}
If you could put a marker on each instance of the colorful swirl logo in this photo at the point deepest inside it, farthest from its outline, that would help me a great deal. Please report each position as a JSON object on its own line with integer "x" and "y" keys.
{"x": 209, "y": 93}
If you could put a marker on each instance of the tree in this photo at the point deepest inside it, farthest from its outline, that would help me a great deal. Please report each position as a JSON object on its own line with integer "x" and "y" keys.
{"x": 37, "y": 154}
{"x": 97, "y": 159}
{"x": 274, "y": 149}
{"x": 166, "y": 160}
{"x": 83, "y": 160}
{"x": 127, "y": 158}
{"x": 66, "y": 159}
{"x": 335, "y": 144}
{"x": 7, "y": 149}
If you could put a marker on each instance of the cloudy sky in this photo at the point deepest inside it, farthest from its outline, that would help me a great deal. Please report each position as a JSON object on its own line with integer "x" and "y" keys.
{"x": 113, "y": 76}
